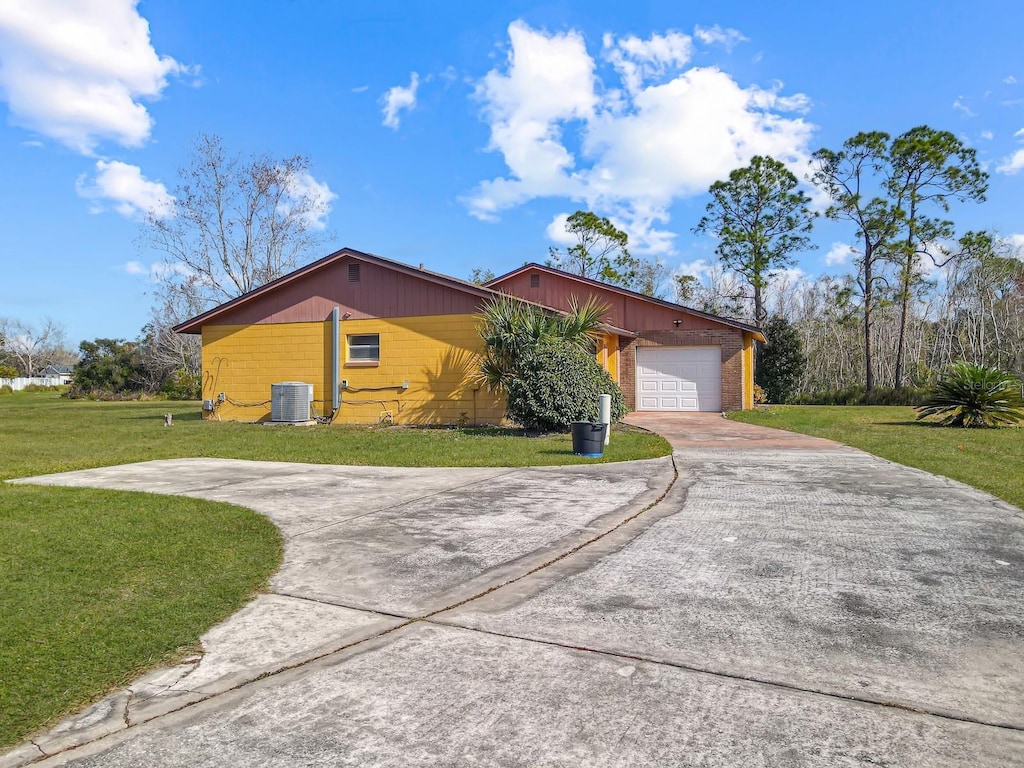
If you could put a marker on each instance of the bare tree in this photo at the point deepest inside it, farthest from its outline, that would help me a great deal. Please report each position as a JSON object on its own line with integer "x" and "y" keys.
{"x": 164, "y": 352}
{"x": 715, "y": 291}
{"x": 32, "y": 347}
{"x": 236, "y": 224}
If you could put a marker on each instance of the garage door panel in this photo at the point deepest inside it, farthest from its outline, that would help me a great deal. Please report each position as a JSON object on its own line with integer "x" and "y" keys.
{"x": 679, "y": 378}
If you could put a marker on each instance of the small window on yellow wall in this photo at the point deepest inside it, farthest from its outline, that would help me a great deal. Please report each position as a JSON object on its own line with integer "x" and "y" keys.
{"x": 364, "y": 349}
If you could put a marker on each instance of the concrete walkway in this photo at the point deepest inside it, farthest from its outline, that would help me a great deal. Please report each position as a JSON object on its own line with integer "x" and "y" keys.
{"x": 786, "y": 604}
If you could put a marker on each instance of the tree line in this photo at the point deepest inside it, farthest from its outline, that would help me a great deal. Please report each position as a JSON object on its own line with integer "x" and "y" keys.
{"x": 918, "y": 295}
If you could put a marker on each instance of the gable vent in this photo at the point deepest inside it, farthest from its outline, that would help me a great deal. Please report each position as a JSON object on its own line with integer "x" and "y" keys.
{"x": 353, "y": 273}
{"x": 535, "y": 280}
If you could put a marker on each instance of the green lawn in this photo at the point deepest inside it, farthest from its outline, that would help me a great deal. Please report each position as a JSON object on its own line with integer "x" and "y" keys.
{"x": 42, "y": 433}
{"x": 98, "y": 586}
{"x": 989, "y": 459}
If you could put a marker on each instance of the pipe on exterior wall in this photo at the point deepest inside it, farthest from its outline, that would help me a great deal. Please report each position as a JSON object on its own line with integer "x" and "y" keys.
{"x": 336, "y": 358}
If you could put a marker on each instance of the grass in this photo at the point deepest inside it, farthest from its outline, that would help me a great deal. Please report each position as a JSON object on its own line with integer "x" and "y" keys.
{"x": 989, "y": 459}
{"x": 42, "y": 433}
{"x": 99, "y": 586}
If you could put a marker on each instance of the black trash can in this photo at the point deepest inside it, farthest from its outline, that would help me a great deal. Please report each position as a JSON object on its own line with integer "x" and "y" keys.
{"x": 588, "y": 438}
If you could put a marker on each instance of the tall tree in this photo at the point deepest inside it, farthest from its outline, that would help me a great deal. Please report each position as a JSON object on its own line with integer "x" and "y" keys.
{"x": 847, "y": 176}
{"x": 760, "y": 219}
{"x": 602, "y": 253}
{"x": 929, "y": 169}
{"x": 236, "y": 223}
{"x": 601, "y": 250}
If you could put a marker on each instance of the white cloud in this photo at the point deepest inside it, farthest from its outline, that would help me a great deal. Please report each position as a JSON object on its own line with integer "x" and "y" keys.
{"x": 960, "y": 106}
{"x": 727, "y": 38}
{"x": 638, "y": 61}
{"x": 556, "y": 231}
{"x": 1015, "y": 162}
{"x": 1017, "y": 241}
{"x": 80, "y": 72}
{"x": 1010, "y": 80}
{"x": 398, "y": 98}
{"x": 987, "y": 135}
{"x": 548, "y": 80}
{"x": 316, "y": 196}
{"x": 360, "y": 89}
{"x": 698, "y": 268}
{"x": 641, "y": 146}
{"x": 129, "y": 192}
{"x": 838, "y": 254}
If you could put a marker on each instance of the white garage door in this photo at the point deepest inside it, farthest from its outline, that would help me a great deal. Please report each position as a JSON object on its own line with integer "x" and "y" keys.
{"x": 679, "y": 378}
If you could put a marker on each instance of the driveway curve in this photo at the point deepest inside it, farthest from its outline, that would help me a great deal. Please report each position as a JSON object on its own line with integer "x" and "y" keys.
{"x": 789, "y": 602}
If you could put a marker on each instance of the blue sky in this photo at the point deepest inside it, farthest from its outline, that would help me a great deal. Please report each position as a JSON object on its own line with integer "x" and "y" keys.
{"x": 456, "y": 133}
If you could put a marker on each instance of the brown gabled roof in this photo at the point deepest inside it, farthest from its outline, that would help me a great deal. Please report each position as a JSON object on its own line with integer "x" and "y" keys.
{"x": 633, "y": 294}
{"x": 195, "y": 324}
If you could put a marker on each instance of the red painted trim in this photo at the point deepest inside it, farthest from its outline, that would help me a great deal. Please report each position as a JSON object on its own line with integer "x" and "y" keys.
{"x": 626, "y": 292}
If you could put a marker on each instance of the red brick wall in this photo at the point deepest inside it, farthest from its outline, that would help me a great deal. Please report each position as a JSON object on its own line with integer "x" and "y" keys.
{"x": 729, "y": 339}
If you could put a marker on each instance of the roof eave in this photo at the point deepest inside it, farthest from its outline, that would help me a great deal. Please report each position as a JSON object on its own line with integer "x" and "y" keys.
{"x": 618, "y": 289}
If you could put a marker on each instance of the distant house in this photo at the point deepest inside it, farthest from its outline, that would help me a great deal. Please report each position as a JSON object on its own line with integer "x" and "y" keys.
{"x": 383, "y": 341}
{"x": 62, "y": 372}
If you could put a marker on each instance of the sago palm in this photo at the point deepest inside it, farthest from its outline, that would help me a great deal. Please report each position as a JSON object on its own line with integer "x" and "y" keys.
{"x": 971, "y": 395}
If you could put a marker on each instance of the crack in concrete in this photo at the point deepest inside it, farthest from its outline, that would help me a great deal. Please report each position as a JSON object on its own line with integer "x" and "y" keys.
{"x": 41, "y": 751}
{"x": 742, "y": 678}
{"x": 347, "y": 606}
{"x": 567, "y": 553}
{"x": 409, "y": 620}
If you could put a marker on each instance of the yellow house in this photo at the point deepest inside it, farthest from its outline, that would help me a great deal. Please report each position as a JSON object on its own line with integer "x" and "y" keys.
{"x": 384, "y": 342}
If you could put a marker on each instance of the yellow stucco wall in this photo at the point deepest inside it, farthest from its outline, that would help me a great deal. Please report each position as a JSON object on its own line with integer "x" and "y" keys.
{"x": 748, "y": 371}
{"x": 608, "y": 354}
{"x": 434, "y": 354}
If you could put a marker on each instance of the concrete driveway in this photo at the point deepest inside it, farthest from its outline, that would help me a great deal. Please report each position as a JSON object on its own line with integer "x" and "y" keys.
{"x": 789, "y": 602}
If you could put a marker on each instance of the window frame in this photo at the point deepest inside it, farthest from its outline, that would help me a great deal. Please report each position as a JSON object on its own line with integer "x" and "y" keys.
{"x": 365, "y": 362}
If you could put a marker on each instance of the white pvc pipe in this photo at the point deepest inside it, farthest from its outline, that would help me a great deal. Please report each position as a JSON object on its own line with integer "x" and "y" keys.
{"x": 604, "y": 409}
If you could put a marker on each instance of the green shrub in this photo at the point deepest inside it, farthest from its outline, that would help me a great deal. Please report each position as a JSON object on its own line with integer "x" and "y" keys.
{"x": 182, "y": 385}
{"x": 557, "y": 383}
{"x": 858, "y": 395}
{"x": 6, "y": 389}
{"x": 971, "y": 395}
{"x": 780, "y": 362}
{"x": 8, "y": 372}
{"x": 111, "y": 365}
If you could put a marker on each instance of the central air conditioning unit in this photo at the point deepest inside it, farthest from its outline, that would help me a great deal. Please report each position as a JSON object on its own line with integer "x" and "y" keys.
{"x": 290, "y": 401}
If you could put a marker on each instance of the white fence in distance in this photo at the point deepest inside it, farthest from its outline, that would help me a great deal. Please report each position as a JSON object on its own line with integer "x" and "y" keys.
{"x": 19, "y": 383}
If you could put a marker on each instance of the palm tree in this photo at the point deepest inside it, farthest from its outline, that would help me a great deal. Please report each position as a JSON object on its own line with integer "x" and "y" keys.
{"x": 510, "y": 327}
